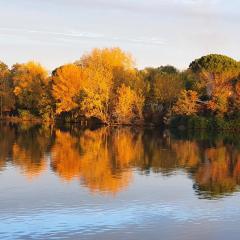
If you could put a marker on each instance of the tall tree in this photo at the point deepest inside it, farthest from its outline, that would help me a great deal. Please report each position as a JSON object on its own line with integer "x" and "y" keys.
{"x": 6, "y": 91}
{"x": 163, "y": 87}
{"x": 68, "y": 82}
{"x": 30, "y": 82}
{"x": 99, "y": 66}
{"x": 216, "y": 74}
{"x": 215, "y": 71}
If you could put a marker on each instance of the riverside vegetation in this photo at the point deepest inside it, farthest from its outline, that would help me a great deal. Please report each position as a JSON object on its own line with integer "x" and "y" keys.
{"x": 105, "y": 86}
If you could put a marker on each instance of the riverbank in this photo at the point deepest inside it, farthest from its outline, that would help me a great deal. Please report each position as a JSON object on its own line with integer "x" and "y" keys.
{"x": 16, "y": 119}
{"x": 208, "y": 123}
{"x": 178, "y": 122}
{"x": 81, "y": 122}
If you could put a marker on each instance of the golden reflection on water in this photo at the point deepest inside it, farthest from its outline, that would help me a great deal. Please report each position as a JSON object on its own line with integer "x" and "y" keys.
{"x": 89, "y": 158}
{"x": 104, "y": 160}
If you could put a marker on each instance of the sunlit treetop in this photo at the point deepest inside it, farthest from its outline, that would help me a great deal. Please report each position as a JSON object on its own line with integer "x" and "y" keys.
{"x": 108, "y": 57}
{"x": 29, "y": 72}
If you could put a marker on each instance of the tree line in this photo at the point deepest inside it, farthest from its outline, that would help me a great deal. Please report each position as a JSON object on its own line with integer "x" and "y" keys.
{"x": 106, "y": 86}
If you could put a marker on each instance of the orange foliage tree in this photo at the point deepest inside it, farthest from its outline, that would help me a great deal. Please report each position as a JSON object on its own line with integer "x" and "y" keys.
{"x": 68, "y": 82}
{"x": 187, "y": 103}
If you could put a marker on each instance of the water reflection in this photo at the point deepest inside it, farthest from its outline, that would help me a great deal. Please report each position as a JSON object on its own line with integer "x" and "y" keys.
{"x": 103, "y": 160}
{"x": 30, "y": 148}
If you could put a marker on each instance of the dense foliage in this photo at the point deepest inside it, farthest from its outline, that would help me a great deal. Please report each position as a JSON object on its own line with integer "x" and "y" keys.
{"x": 105, "y": 85}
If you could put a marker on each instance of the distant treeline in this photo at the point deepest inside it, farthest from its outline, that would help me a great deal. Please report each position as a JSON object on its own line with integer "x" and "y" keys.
{"x": 104, "y": 85}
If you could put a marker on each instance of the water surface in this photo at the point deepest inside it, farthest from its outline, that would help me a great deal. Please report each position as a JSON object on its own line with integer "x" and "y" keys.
{"x": 117, "y": 183}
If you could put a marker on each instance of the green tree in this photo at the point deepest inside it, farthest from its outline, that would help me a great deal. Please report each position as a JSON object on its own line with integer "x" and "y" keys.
{"x": 163, "y": 85}
{"x": 215, "y": 71}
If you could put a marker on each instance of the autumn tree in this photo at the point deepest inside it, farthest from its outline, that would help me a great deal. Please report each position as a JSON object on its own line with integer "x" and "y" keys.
{"x": 216, "y": 74}
{"x": 128, "y": 105}
{"x": 6, "y": 90}
{"x": 129, "y": 77}
{"x": 187, "y": 103}
{"x": 31, "y": 85}
{"x": 68, "y": 82}
{"x": 99, "y": 66}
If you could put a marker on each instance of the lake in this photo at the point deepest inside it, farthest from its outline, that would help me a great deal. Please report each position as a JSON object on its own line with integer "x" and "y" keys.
{"x": 118, "y": 183}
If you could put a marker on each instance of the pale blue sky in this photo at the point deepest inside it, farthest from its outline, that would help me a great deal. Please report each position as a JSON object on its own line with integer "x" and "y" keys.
{"x": 156, "y": 32}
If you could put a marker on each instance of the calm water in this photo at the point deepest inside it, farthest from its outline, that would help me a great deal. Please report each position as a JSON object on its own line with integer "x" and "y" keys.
{"x": 68, "y": 183}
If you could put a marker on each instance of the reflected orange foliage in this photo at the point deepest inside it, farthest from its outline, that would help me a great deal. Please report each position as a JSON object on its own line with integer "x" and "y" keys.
{"x": 90, "y": 158}
{"x": 27, "y": 161}
{"x": 65, "y": 156}
{"x": 103, "y": 160}
{"x": 215, "y": 174}
{"x": 187, "y": 152}
{"x": 6, "y": 141}
{"x": 127, "y": 148}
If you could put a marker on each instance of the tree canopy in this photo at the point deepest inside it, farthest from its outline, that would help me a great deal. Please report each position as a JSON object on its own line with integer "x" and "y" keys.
{"x": 105, "y": 85}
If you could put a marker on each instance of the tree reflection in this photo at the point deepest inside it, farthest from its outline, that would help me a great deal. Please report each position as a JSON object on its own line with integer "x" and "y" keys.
{"x": 219, "y": 173}
{"x": 96, "y": 158}
{"x": 104, "y": 160}
{"x": 30, "y": 148}
{"x": 214, "y": 167}
{"x": 7, "y": 138}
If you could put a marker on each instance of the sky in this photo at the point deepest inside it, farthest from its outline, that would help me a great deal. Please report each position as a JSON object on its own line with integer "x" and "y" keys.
{"x": 155, "y": 32}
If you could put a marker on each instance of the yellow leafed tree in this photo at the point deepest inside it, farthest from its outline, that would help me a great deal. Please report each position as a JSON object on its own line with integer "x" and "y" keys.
{"x": 128, "y": 106}
{"x": 99, "y": 66}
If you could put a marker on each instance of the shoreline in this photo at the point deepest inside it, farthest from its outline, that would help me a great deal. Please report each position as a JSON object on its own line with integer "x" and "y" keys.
{"x": 188, "y": 124}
